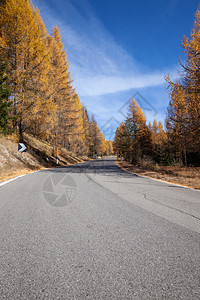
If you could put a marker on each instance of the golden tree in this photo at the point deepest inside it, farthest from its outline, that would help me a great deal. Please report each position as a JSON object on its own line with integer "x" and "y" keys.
{"x": 22, "y": 46}
{"x": 159, "y": 141}
{"x": 183, "y": 119}
{"x": 122, "y": 142}
{"x": 139, "y": 132}
{"x": 109, "y": 148}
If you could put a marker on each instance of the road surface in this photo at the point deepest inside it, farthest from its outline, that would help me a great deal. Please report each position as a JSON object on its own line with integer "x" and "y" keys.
{"x": 93, "y": 231}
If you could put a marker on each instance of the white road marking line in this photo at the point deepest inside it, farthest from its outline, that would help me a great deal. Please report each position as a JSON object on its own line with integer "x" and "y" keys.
{"x": 12, "y": 179}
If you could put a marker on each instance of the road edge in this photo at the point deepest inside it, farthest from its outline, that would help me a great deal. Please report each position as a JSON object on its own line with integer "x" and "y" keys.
{"x": 160, "y": 180}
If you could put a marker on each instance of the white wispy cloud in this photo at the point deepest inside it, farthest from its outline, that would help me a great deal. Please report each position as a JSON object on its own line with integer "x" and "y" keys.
{"x": 98, "y": 64}
{"x": 104, "y": 74}
{"x": 105, "y": 84}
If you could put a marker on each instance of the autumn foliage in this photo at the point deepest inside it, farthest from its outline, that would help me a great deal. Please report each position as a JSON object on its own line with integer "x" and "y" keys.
{"x": 180, "y": 142}
{"x": 135, "y": 140}
{"x": 44, "y": 102}
{"x": 183, "y": 118}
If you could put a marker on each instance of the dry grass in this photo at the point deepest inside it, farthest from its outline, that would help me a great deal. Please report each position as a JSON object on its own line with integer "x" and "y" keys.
{"x": 65, "y": 157}
{"x": 39, "y": 156}
{"x": 11, "y": 173}
{"x": 186, "y": 176}
{"x": 10, "y": 159}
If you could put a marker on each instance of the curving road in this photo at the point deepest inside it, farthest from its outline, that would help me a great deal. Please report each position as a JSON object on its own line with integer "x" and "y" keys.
{"x": 93, "y": 231}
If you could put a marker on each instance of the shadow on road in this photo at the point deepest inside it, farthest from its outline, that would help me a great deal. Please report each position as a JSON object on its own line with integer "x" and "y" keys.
{"x": 103, "y": 167}
{"x": 107, "y": 167}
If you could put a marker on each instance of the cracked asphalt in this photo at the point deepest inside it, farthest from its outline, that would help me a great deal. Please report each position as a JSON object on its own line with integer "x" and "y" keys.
{"x": 94, "y": 231}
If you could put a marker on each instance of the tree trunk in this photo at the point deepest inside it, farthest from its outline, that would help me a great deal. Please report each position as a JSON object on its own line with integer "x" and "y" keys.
{"x": 20, "y": 130}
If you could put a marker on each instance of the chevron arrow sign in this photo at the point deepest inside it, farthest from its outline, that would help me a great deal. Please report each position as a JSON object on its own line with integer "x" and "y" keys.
{"x": 22, "y": 147}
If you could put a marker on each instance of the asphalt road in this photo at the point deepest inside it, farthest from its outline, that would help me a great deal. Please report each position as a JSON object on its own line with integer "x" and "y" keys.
{"x": 93, "y": 231}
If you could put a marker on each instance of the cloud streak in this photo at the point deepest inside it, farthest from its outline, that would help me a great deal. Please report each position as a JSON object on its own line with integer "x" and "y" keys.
{"x": 102, "y": 85}
{"x": 98, "y": 64}
{"x": 105, "y": 75}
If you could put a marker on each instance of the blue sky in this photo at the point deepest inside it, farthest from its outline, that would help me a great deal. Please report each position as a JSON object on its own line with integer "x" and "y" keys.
{"x": 121, "y": 48}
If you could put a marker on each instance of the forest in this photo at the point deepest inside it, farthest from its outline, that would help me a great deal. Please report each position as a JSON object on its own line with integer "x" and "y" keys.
{"x": 179, "y": 141}
{"x": 36, "y": 90}
{"x": 37, "y": 97}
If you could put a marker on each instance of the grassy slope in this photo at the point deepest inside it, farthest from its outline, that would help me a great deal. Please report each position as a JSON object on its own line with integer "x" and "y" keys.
{"x": 38, "y": 156}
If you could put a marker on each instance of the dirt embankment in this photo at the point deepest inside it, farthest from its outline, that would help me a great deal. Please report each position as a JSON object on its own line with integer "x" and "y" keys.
{"x": 186, "y": 176}
{"x": 38, "y": 156}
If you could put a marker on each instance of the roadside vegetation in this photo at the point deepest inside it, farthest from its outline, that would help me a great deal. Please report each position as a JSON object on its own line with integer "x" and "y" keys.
{"x": 39, "y": 156}
{"x": 173, "y": 152}
{"x": 37, "y": 99}
{"x": 185, "y": 176}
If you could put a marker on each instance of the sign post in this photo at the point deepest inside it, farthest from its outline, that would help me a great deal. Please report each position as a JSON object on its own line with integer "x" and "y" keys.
{"x": 22, "y": 148}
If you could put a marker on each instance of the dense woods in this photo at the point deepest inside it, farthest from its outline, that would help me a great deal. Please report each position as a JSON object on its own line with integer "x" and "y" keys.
{"x": 37, "y": 97}
{"x": 135, "y": 140}
{"x": 180, "y": 142}
{"x": 36, "y": 90}
{"x": 183, "y": 118}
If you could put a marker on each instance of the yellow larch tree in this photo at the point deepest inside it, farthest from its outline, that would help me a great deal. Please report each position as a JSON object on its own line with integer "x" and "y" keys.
{"x": 158, "y": 140}
{"x": 22, "y": 47}
{"x": 122, "y": 142}
{"x": 177, "y": 122}
{"x": 183, "y": 119}
{"x": 61, "y": 90}
{"x": 191, "y": 83}
{"x": 139, "y": 132}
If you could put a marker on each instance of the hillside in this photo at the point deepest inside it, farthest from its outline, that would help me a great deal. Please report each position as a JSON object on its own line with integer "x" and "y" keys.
{"x": 38, "y": 156}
